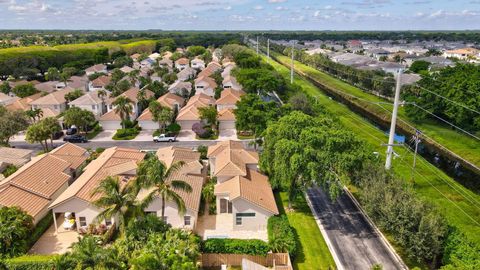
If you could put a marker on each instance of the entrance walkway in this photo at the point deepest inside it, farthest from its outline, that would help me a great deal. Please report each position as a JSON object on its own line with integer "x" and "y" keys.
{"x": 55, "y": 243}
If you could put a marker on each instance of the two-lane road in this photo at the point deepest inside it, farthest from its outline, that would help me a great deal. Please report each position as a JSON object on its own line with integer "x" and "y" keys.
{"x": 355, "y": 242}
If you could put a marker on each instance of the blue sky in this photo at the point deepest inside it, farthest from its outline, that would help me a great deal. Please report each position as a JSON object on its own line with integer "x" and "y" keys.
{"x": 241, "y": 14}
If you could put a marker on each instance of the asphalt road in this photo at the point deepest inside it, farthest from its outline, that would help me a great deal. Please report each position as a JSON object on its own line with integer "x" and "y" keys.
{"x": 356, "y": 243}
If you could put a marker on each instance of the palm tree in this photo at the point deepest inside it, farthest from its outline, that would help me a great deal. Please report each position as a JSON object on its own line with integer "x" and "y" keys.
{"x": 153, "y": 173}
{"x": 123, "y": 107}
{"x": 102, "y": 94}
{"x": 88, "y": 254}
{"x": 117, "y": 201}
{"x": 133, "y": 75}
{"x": 34, "y": 114}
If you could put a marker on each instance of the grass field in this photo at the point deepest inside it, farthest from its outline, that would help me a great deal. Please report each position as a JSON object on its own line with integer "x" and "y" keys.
{"x": 313, "y": 251}
{"x": 459, "y": 143}
{"x": 460, "y": 206}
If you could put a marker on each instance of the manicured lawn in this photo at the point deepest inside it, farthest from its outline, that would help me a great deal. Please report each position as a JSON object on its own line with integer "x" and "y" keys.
{"x": 458, "y": 204}
{"x": 313, "y": 252}
{"x": 457, "y": 142}
{"x": 126, "y": 134}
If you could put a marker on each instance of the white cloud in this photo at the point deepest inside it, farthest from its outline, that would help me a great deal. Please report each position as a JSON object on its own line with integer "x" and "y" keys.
{"x": 276, "y": 1}
{"x": 281, "y": 8}
{"x": 258, "y": 7}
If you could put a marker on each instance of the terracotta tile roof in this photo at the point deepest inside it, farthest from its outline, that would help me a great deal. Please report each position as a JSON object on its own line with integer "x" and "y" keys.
{"x": 48, "y": 87}
{"x": 23, "y": 104}
{"x": 178, "y": 85}
{"x": 229, "y": 96}
{"x": 145, "y": 116}
{"x": 72, "y": 153}
{"x": 172, "y": 154}
{"x": 90, "y": 98}
{"x": 211, "y": 82}
{"x": 206, "y": 72}
{"x": 214, "y": 66}
{"x": 214, "y": 150}
{"x": 253, "y": 188}
{"x": 132, "y": 94}
{"x": 54, "y": 98}
{"x": 111, "y": 162}
{"x": 190, "y": 111}
{"x": 27, "y": 201}
{"x": 48, "y": 112}
{"x": 182, "y": 61}
{"x": 226, "y": 115}
{"x": 96, "y": 68}
{"x": 101, "y": 81}
{"x": 112, "y": 116}
{"x": 169, "y": 100}
{"x": 232, "y": 159}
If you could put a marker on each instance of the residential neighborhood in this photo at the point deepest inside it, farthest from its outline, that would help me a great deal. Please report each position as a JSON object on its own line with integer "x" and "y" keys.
{"x": 187, "y": 136}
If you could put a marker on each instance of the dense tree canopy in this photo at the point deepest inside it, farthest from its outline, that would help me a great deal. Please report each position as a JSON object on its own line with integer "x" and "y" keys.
{"x": 15, "y": 229}
{"x": 83, "y": 119}
{"x": 24, "y": 90}
{"x": 10, "y": 124}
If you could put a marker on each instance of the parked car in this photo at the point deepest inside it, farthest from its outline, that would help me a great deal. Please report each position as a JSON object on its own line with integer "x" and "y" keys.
{"x": 75, "y": 138}
{"x": 164, "y": 138}
{"x": 57, "y": 135}
{"x": 72, "y": 131}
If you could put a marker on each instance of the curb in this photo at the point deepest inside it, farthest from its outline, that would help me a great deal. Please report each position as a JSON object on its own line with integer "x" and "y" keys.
{"x": 370, "y": 222}
{"x": 338, "y": 263}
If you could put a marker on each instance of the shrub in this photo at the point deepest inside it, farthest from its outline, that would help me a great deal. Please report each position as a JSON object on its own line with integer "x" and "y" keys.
{"x": 41, "y": 227}
{"x": 126, "y": 134}
{"x": 173, "y": 128}
{"x": 281, "y": 236}
{"x": 32, "y": 262}
{"x": 9, "y": 170}
{"x": 203, "y": 151}
{"x": 16, "y": 228}
{"x": 202, "y": 131}
{"x": 235, "y": 246}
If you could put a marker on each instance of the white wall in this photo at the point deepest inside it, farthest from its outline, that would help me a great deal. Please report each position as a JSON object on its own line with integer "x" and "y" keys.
{"x": 186, "y": 124}
{"x": 226, "y": 106}
{"x": 226, "y": 124}
{"x": 171, "y": 212}
{"x": 97, "y": 111}
{"x": 81, "y": 208}
{"x": 148, "y": 125}
{"x": 259, "y": 222}
{"x": 111, "y": 125}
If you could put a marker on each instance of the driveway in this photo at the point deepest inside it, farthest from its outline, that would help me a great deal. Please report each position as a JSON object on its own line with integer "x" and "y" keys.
{"x": 144, "y": 136}
{"x": 356, "y": 244}
{"x": 186, "y": 135}
{"x": 104, "y": 136}
{"x": 52, "y": 242}
{"x": 227, "y": 134}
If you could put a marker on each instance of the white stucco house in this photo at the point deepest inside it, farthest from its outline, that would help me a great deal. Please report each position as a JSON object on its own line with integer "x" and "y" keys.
{"x": 189, "y": 114}
{"x": 172, "y": 101}
{"x": 99, "y": 68}
{"x": 91, "y": 101}
{"x": 181, "y": 63}
{"x": 205, "y": 85}
{"x": 197, "y": 63}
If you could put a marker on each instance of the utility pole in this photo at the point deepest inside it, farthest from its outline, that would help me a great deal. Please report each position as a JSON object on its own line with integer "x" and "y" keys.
{"x": 268, "y": 50}
{"x": 291, "y": 65}
{"x": 416, "y": 139}
{"x": 388, "y": 162}
{"x": 257, "y": 44}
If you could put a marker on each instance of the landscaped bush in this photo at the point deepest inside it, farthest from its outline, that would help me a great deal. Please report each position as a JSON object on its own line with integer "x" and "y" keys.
{"x": 202, "y": 131}
{"x": 126, "y": 134}
{"x": 235, "y": 246}
{"x": 173, "y": 128}
{"x": 32, "y": 262}
{"x": 9, "y": 170}
{"x": 41, "y": 227}
{"x": 203, "y": 151}
{"x": 16, "y": 227}
{"x": 281, "y": 236}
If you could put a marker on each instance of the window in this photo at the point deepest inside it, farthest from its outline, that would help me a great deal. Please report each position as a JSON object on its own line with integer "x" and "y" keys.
{"x": 93, "y": 107}
{"x": 83, "y": 221}
{"x": 200, "y": 86}
{"x": 239, "y": 217}
{"x": 108, "y": 221}
{"x": 225, "y": 206}
{"x": 187, "y": 220}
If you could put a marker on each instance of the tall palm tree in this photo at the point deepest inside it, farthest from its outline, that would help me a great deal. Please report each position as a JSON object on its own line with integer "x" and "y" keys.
{"x": 123, "y": 107}
{"x": 34, "y": 114}
{"x": 102, "y": 94}
{"x": 133, "y": 75}
{"x": 88, "y": 254}
{"x": 117, "y": 200}
{"x": 153, "y": 173}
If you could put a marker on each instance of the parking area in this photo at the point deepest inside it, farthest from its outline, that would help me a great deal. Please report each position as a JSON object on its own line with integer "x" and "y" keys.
{"x": 104, "y": 135}
{"x": 186, "y": 135}
{"x": 227, "y": 134}
{"x": 144, "y": 136}
{"x": 52, "y": 242}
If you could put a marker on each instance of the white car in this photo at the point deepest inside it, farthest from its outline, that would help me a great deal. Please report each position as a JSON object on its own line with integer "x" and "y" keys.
{"x": 164, "y": 138}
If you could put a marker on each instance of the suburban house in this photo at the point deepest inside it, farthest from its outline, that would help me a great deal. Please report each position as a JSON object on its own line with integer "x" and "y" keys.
{"x": 154, "y": 56}
{"x": 91, "y": 101}
{"x": 165, "y": 62}
{"x": 205, "y": 85}
{"x": 181, "y": 63}
{"x": 197, "y": 63}
{"x": 126, "y": 69}
{"x": 99, "y": 83}
{"x": 77, "y": 198}
{"x": 464, "y": 53}
{"x": 52, "y": 104}
{"x": 186, "y": 74}
{"x": 231, "y": 82}
{"x": 76, "y": 82}
{"x": 112, "y": 120}
{"x": 226, "y": 119}
{"x": 135, "y": 56}
{"x": 227, "y": 68}
{"x": 147, "y": 63}
{"x": 180, "y": 88}
{"x": 229, "y": 158}
{"x": 132, "y": 94}
{"x": 39, "y": 182}
{"x": 47, "y": 87}
{"x": 228, "y": 99}
{"x": 189, "y": 114}
{"x": 172, "y": 101}
{"x": 192, "y": 173}
{"x": 99, "y": 68}
{"x": 14, "y": 156}
{"x": 242, "y": 193}
{"x": 378, "y": 53}
{"x": 23, "y": 104}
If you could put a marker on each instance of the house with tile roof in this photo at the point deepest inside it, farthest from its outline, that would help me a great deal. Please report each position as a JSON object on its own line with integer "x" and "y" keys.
{"x": 91, "y": 101}
{"x": 180, "y": 88}
{"x": 189, "y": 114}
{"x": 182, "y": 63}
{"x": 78, "y": 198}
{"x": 132, "y": 94}
{"x": 197, "y": 63}
{"x": 242, "y": 193}
{"x": 99, "y": 68}
{"x": 192, "y": 173}
{"x": 6, "y": 99}
{"x": 205, "y": 85}
{"x": 14, "y": 156}
{"x": 40, "y": 181}
{"x": 226, "y": 119}
{"x": 23, "y": 104}
{"x": 172, "y": 101}
{"x": 228, "y": 99}
{"x": 52, "y": 104}
{"x": 230, "y": 82}
{"x": 186, "y": 74}
{"x": 99, "y": 83}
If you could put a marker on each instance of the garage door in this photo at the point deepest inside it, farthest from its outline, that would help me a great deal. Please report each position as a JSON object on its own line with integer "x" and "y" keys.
{"x": 110, "y": 125}
{"x": 227, "y": 125}
{"x": 148, "y": 125}
{"x": 186, "y": 125}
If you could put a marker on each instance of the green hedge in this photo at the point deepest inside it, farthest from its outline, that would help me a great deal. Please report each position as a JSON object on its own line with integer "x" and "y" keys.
{"x": 235, "y": 246}
{"x": 41, "y": 227}
{"x": 281, "y": 236}
{"x": 31, "y": 262}
{"x": 126, "y": 134}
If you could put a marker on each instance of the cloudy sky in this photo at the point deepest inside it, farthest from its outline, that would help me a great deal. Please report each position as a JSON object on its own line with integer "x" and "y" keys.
{"x": 241, "y": 14}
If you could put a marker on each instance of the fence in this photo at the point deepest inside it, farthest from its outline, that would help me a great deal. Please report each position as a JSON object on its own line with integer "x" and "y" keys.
{"x": 276, "y": 260}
